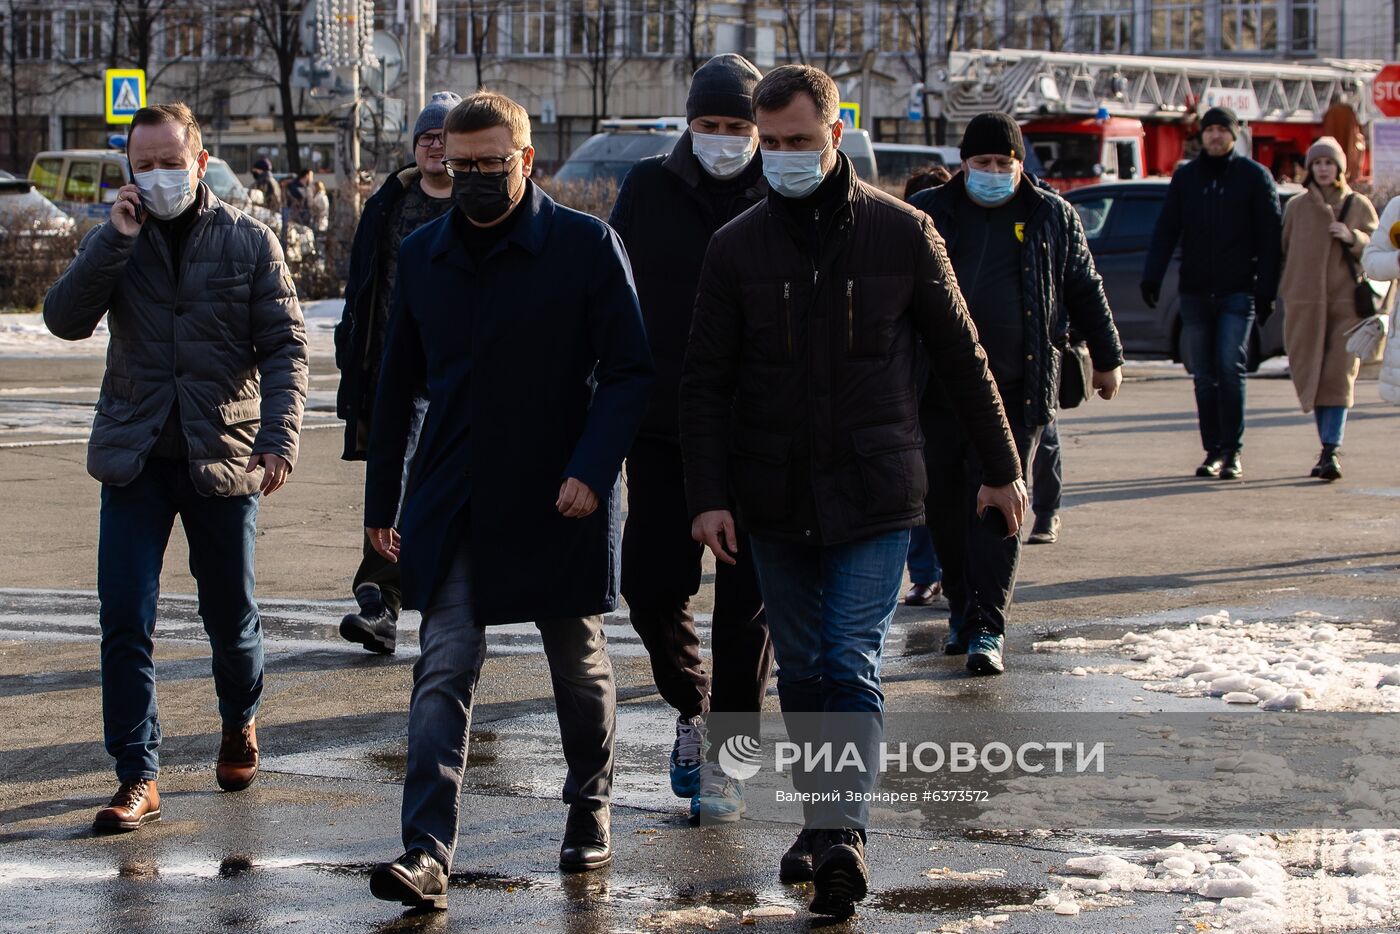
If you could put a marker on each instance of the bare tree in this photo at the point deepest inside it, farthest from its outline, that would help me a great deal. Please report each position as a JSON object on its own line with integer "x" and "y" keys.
{"x": 138, "y": 34}
{"x": 795, "y": 12}
{"x": 278, "y": 24}
{"x": 21, "y": 87}
{"x": 592, "y": 24}
{"x": 693, "y": 17}
{"x": 916, "y": 20}
{"x": 476, "y": 25}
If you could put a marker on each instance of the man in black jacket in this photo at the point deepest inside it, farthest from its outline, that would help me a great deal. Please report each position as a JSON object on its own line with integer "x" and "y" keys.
{"x": 798, "y": 403}
{"x": 407, "y": 200}
{"x": 666, "y": 212}
{"x": 1021, "y": 257}
{"x": 1223, "y": 210}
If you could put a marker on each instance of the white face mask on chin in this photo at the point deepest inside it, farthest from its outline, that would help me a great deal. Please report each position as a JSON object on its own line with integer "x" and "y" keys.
{"x": 165, "y": 193}
{"x": 722, "y": 156}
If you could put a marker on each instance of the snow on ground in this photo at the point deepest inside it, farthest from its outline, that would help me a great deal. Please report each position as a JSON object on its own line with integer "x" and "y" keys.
{"x": 1250, "y": 883}
{"x": 24, "y": 335}
{"x": 1306, "y": 662}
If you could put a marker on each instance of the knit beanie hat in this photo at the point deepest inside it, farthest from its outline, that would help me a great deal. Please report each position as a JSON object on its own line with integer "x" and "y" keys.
{"x": 1222, "y": 116}
{"x": 435, "y": 114}
{"x": 723, "y": 87}
{"x": 993, "y": 134}
{"x": 1329, "y": 147}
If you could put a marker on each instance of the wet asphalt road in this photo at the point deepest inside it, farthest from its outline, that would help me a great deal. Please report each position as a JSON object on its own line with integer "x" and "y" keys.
{"x": 293, "y": 852}
{"x": 1144, "y": 545}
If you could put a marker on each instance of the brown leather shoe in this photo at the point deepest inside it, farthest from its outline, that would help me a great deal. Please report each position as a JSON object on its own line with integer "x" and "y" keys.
{"x": 135, "y": 803}
{"x": 238, "y": 757}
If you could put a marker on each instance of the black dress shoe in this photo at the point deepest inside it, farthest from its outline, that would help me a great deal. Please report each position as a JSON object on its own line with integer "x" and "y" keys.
{"x": 586, "y": 840}
{"x": 375, "y": 626}
{"x": 1232, "y": 469}
{"x": 839, "y": 873}
{"x": 1210, "y": 467}
{"x": 1046, "y": 530}
{"x": 415, "y": 879}
{"x": 796, "y": 864}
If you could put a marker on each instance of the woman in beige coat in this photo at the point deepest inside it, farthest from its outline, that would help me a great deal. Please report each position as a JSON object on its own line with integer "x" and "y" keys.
{"x": 1324, "y": 231}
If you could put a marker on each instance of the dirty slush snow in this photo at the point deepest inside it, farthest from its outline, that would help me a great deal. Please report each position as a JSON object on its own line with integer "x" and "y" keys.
{"x": 1251, "y": 883}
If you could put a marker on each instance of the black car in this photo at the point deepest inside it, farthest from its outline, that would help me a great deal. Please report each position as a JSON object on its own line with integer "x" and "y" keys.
{"x": 1119, "y": 218}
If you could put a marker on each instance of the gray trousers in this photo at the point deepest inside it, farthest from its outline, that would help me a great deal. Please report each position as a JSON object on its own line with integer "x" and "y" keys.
{"x": 453, "y": 647}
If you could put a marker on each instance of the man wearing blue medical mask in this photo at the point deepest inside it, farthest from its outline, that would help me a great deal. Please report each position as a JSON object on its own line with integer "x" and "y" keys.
{"x": 799, "y": 406}
{"x": 667, "y": 210}
{"x": 1024, "y": 266}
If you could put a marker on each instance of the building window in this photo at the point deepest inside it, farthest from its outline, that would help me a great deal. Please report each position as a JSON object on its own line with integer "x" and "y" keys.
{"x": 977, "y": 24}
{"x": 651, "y": 27}
{"x": 838, "y": 28}
{"x": 1248, "y": 26}
{"x": 467, "y": 27}
{"x": 1042, "y": 27}
{"x": 592, "y": 25}
{"x": 1104, "y": 26}
{"x": 234, "y": 35}
{"x": 1303, "y": 35}
{"x": 532, "y": 27}
{"x": 1178, "y": 26}
{"x": 82, "y": 35}
{"x": 33, "y": 35}
{"x": 899, "y": 27}
{"x": 184, "y": 34}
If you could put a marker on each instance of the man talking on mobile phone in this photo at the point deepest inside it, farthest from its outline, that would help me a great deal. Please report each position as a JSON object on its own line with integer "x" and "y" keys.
{"x": 198, "y": 417}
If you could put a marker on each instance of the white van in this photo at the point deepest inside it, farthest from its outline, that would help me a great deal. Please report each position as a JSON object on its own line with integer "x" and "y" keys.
{"x": 84, "y": 182}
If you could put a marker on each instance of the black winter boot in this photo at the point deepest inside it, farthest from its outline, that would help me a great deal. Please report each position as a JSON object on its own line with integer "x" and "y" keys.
{"x": 375, "y": 626}
{"x": 1329, "y": 466}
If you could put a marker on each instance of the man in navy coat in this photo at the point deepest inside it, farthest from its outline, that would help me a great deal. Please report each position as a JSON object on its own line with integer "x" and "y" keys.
{"x": 521, "y": 318}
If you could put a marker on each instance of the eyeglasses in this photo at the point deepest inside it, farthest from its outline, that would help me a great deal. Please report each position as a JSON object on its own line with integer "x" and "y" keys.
{"x": 431, "y": 141}
{"x": 489, "y": 167}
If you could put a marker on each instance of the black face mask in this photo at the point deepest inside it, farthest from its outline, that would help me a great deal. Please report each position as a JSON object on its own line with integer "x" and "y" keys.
{"x": 480, "y": 198}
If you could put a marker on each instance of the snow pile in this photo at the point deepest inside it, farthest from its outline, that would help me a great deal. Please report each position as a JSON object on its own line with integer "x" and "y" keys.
{"x": 1304, "y": 663}
{"x": 1315, "y": 880}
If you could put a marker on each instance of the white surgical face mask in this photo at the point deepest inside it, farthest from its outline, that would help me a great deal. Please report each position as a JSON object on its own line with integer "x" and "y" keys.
{"x": 793, "y": 174}
{"x": 166, "y": 193}
{"x": 722, "y": 156}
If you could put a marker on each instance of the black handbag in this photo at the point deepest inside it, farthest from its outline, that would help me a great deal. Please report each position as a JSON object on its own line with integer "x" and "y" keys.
{"x": 1076, "y": 372}
{"x": 1362, "y": 293}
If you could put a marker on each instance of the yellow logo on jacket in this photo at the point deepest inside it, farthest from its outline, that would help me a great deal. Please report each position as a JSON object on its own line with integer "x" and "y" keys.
{"x": 1021, "y": 231}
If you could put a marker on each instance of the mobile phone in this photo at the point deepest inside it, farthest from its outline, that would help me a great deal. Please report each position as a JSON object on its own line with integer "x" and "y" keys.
{"x": 994, "y": 522}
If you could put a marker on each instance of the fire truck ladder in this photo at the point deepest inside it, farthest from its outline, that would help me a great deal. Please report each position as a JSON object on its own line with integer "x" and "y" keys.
{"x": 1029, "y": 83}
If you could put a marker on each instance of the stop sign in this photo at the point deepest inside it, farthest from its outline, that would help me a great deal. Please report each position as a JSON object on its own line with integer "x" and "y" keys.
{"x": 1385, "y": 90}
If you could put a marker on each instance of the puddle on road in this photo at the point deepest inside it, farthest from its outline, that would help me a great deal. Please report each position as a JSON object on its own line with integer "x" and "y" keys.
{"x": 466, "y": 879}
{"x": 946, "y": 897}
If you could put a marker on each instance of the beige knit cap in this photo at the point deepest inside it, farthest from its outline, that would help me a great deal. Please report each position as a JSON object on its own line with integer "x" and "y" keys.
{"x": 1329, "y": 147}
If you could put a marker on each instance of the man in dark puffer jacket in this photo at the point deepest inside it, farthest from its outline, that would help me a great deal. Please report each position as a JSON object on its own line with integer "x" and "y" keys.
{"x": 1024, "y": 266}
{"x": 199, "y": 413}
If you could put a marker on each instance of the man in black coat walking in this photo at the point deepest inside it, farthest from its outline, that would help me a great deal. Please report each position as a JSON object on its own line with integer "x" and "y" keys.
{"x": 408, "y": 199}
{"x": 520, "y": 317}
{"x": 666, "y": 212}
{"x": 1021, "y": 257}
{"x": 1222, "y": 208}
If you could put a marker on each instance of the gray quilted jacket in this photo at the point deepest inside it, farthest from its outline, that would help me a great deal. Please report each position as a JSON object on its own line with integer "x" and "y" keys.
{"x": 225, "y": 333}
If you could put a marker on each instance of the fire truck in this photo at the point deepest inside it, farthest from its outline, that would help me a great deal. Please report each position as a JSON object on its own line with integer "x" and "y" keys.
{"x": 1089, "y": 118}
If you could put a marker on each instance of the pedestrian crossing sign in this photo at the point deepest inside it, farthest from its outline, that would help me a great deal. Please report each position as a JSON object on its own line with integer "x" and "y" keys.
{"x": 850, "y": 115}
{"x": 126, "y": 93}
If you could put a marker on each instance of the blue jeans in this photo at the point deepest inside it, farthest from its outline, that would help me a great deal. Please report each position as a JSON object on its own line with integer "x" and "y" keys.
{"x": 1331, "y": 423}
{"x": 923, "y": 560}
{"x": 829, "y": 609}
{"x": 453, "y": 647}
{"x": 1215, "y": 335}
{"x": 133, "y": 531}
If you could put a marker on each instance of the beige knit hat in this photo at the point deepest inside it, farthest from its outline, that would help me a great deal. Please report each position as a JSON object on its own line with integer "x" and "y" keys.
{"x": 1329, "y": 147}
